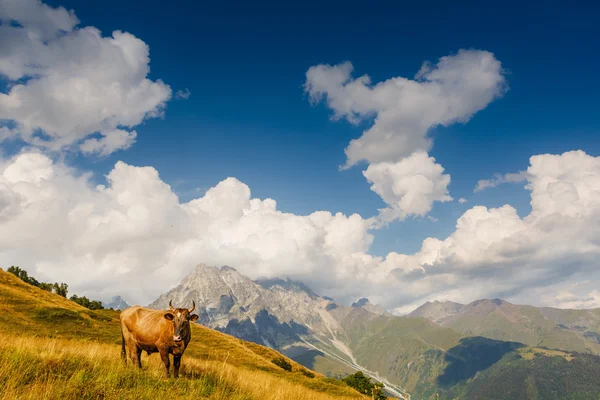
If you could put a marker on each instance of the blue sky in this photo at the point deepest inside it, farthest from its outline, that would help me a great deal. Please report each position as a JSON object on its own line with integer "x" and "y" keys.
{"x": 248, "y": 117}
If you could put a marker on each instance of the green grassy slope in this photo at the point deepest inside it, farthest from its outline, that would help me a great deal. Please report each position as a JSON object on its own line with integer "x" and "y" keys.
{"x": 409, "y": 351}
{"x": 428, "y": 360}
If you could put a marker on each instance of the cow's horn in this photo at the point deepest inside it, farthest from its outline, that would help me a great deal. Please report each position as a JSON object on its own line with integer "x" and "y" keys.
{"x": 193, "y": 307}
{"x": 171, "y": 306}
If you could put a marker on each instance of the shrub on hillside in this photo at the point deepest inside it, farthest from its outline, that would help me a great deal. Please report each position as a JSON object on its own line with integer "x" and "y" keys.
{"x": 84, "y": 301}
{"x": 363, "y": 384}
{"x": 283, "y": 363}
{"x": 307, "y": 373}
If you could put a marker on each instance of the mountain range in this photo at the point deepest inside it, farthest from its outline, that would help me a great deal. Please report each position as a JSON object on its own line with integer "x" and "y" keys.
{"x": 441, "y": 349}
{"x": 574, "y": 330}
{"x": 116, "y": 303}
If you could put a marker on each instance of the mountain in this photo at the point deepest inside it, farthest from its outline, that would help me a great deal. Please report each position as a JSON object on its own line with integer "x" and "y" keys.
{"x": 373, "y": 308}
{"x": 437, "y": 310}
{"x": 279, "y": 313}
{"x": 573, "y": 330}
{"x": 51, "y": 347}
{"x": 116, "y": 303}
{"x": 410, "y": 354}
{"x": 270, "y": 312}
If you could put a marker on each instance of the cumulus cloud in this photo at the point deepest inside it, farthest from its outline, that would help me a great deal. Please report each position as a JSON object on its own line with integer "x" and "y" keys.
{"x": 68, "y": 83}
{"x": 462, "y": 200}
{"x": 404, "y": 110}
{"x": 499, "y": 254}
{"x": 74, "y": 87}
{"x": 134, "y": 229}
{"x": 499, "y": 179}
{"x": 100, "y": 239}
{"x": 109, "y": 142}
{"x": 408, "y": 187}
{"x": 183, "y": 94}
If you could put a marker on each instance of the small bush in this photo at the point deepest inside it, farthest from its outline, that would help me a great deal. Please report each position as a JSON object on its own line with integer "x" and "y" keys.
{"x": 283, "y": 363}
{"x": 307, "y": 373}
{"x": 84, "y": 301}
{"x": 363, "y": 384}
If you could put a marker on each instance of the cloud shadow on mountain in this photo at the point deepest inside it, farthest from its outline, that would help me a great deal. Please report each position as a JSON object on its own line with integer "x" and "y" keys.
{"x": 472, "y": 355}
{"x": 303, "y": 355}
{"x": 265, "y": 330}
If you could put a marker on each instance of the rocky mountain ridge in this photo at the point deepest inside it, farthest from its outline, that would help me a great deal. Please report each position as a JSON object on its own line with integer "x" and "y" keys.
{"x": 272, "y": 312}
{"x": 280, "y": 313}
{"x": 574, "y": 330}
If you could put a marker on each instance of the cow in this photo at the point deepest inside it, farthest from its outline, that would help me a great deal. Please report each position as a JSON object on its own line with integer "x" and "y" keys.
{"x": 156, "y": 331}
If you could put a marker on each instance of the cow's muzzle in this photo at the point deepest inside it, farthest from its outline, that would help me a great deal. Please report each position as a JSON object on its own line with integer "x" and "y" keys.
{"x": 177, "y": 338}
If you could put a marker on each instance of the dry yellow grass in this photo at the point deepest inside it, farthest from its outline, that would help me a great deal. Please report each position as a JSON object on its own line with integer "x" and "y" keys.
{"x": 41, "y": 368}
{"x": 52, "y": 348}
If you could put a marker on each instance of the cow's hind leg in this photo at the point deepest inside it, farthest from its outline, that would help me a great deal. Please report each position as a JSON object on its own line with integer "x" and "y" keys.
{"x": 123, "y": 352}
{"x": 164, "y": 356}
{"x": 176, "y": 364}
{"x": 134, "y": 354}
{"x": 138, "y": 353}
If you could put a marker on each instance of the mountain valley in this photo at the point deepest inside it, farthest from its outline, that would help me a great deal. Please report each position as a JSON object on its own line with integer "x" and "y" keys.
{"x": 441, "y": 348}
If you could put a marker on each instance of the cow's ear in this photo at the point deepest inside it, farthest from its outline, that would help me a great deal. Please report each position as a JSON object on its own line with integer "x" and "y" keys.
{"x": 193, "y": 317}
{"x": 169, "y": 316}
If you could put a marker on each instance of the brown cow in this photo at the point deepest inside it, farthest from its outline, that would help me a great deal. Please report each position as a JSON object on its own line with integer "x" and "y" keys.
{"x": 152, "y": 331}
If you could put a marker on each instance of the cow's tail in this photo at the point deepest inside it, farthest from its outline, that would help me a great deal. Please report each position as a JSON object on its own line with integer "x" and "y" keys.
{"x": 123, "y": 353}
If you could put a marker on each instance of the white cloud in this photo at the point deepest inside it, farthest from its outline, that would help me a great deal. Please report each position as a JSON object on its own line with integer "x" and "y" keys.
{"x": 67, "y": 83}
{"x": 462, "y": 200}
{"x": 408, "y": 187}
{"x": 495, "y": 253}
{"x": 135, "y": 229}
{"x": 500, "y": 179}
{"x": 183, "y": 94}
{"x": 565, "y": 297}
{"x": 404, "y": 110}
{"x": 109, "y": 142}
{"x": 133, "y": 236}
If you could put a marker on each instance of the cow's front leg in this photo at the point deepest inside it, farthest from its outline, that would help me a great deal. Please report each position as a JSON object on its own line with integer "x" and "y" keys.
{"x": 164, "y": 355}
{"x": 176, "y": 363}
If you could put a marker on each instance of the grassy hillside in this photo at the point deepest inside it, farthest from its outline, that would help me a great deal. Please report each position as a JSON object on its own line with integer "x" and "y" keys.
{"x": 51, "y": 347}
{"x": 430, "y": 360}
{"x": 408, "y": 351}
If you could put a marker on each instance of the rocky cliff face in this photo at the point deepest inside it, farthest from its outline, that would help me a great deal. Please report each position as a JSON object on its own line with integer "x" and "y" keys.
{"x": 274, "y": 312}
{"x": 279, "y": 313}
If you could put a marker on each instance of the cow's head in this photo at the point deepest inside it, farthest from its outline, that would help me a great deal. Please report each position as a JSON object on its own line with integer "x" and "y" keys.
{"x": 181, "y": 318}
